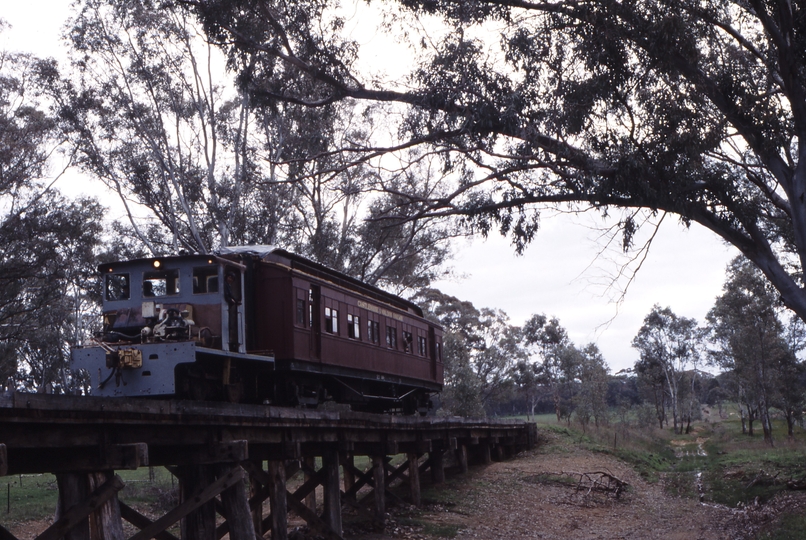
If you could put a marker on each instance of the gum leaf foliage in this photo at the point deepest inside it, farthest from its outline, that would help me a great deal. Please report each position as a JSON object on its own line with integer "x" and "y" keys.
{"x": 695, "y": 108}
{"x": 199, "y": 163}
{"x": 47, "y": 242}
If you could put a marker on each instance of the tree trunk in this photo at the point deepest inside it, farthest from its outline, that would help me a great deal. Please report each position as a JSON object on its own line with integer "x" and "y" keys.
{"x": 671, "y": 383}
{"x": 763, "y": 405}
{"x": 766, "y": 423}
{"x": 790, "y": 423}
{"x": 751, "y": 417}
{"x": 744, "y": 420}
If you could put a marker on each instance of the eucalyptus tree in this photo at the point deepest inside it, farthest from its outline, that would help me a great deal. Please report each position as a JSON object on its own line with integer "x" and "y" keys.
{"x": 461, "y": 340}
{"x": 47, "y": 242}
{"x": 670, "y": 344}
{"x": 750, "y": 341}
{"x": 403, "y": 253}
{"x": 529, "y": 382}
{"x": 590, "y": 400}
{"x": 651, "y": 382}
{"x": 556, "y": 356}
{"x": 689, "y": 107}
{"x": 480, "y": 351}
{"x": 148, "y": 113}
{"x": 153, "y": 112}
{"x": 199, "y": 163}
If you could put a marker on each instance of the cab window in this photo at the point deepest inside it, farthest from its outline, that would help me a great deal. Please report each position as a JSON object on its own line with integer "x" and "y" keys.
{"x": 161, "y": 283}
{"x": 205, "y": 280}
{"x": 117, "y": 287}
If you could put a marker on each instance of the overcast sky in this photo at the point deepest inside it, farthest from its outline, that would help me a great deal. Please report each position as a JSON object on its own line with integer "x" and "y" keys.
{"x": 559, "y": 274}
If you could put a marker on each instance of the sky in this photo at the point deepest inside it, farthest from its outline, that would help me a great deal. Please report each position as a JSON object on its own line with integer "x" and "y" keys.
{"x": 559, "y": 275}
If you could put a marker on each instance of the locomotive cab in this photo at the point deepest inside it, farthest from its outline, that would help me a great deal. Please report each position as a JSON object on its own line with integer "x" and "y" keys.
{"x": 171, "y": 326}
{"x": 192, "y": 298}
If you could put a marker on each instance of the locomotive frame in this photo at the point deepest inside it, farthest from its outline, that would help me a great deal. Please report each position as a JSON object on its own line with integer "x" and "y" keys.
{"x": 260, "y": 324}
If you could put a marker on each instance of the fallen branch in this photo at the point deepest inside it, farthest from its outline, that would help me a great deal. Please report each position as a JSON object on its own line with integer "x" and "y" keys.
{"x": 598, "y": 481}
{"x": 760, "y": 477}
{"x": 796, "y": 485}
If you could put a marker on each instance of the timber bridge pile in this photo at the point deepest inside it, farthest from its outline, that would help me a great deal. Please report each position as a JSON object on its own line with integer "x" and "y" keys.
{"x": 214, "y": 448}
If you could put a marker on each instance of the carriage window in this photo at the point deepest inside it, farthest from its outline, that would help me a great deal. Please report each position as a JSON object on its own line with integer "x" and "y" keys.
{"x": 164, "y": 283}
{"x": 205, "y": 280}
{"x": 300, "y": 312}
{"x": 391, "y": 337}
{"x": 439, "y": 351}
{"x": 373, "y": 331}
{"x": 331, "y": 320}
{"x": 353, "y": 326}
{"x": 117, "y": 286}
{"x": 408, "y": 341}
{"x": 421, "y": 345}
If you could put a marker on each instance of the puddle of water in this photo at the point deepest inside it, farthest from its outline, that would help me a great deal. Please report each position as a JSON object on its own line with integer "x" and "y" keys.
{"x": 699, "y": 452}
{"x": 699, "y": 486}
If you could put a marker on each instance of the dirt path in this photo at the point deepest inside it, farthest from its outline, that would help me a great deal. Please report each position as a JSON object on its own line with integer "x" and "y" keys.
{"x": 523, "y": 505}
{"x": 517, "y": 499}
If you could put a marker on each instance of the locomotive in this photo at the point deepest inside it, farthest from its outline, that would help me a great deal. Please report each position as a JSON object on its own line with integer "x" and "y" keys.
{"x": 258, "y": 324}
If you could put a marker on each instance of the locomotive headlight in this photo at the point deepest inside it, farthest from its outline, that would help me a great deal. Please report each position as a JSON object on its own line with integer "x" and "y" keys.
{"x": 157, "y": 264}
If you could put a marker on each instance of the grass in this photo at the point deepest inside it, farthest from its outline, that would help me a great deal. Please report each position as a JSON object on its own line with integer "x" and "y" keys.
{"x": 441, "y": 530}
{"x": 35, "y": 496}
{"x": 28, "y": 496}
{"x": 741, "y": 469}
{"x": 155, "y": 489}
{"x": 647, "y": 451}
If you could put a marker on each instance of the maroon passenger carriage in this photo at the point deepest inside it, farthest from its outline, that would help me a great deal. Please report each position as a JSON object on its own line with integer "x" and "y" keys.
{"x": 262, "y": 325}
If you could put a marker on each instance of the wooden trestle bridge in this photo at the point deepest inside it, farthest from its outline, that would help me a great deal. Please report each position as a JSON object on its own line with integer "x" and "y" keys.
{"x": 215, "y": 449}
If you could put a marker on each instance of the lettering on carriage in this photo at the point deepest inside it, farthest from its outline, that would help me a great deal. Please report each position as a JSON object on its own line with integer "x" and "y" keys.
{"x": 380, "y": 311}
